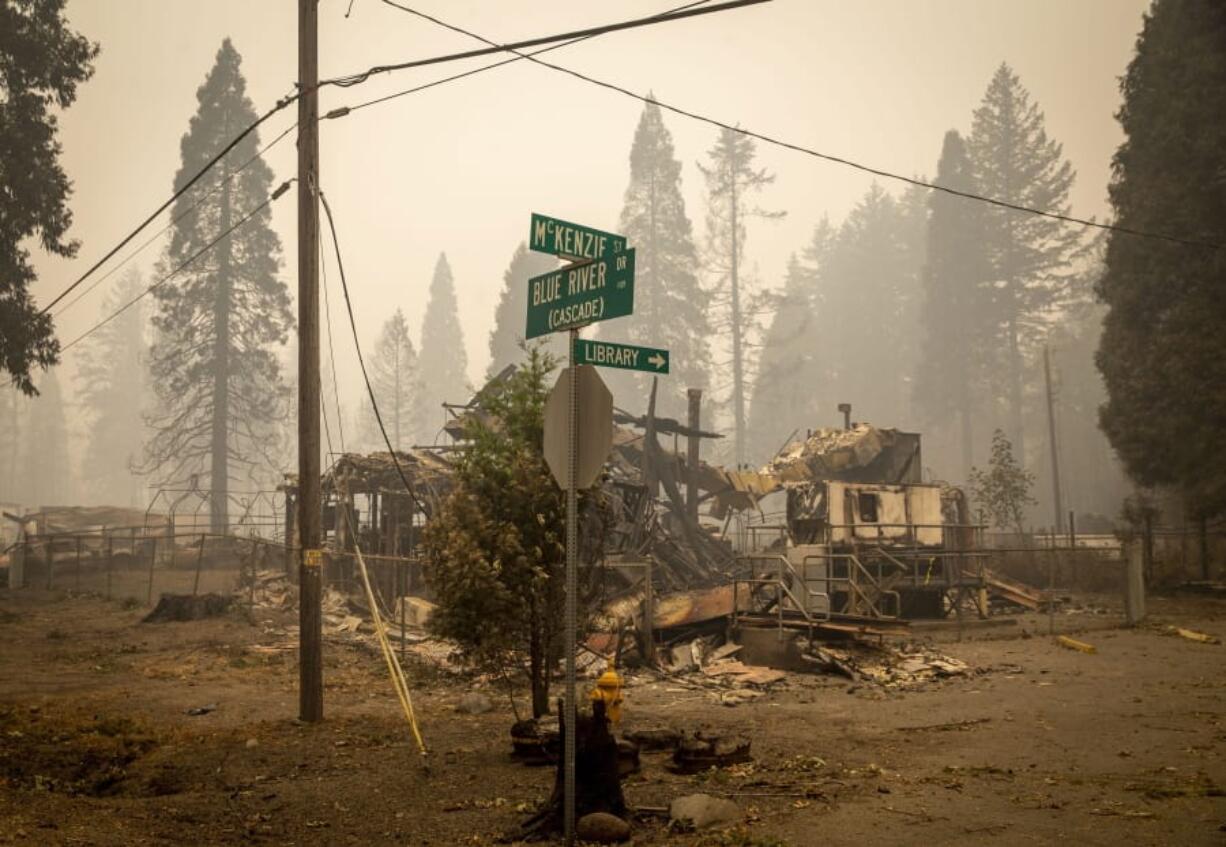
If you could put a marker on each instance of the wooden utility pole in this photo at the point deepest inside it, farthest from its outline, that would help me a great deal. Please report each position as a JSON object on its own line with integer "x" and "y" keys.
{"x": 310, "y": 519}
{"x": 1051, "y": 441}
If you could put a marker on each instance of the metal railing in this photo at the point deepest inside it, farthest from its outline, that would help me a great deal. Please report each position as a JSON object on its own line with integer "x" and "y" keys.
{"x": 854, "y": 578}
{"x": 139, "y": 563}
{"x": 786, "y": 571}
{"x": 782, "y": 589}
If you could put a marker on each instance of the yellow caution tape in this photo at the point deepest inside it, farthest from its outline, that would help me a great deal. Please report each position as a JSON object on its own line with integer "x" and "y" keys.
{"x": 389, "y": 655}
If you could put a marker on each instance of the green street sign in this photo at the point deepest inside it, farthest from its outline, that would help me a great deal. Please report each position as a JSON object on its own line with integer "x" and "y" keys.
{"x": 572, "y": 241}
{"x": 625, "y": 356}
{"x": 577, "y": 295}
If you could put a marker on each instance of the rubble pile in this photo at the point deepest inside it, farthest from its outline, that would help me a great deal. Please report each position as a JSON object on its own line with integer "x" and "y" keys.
{"x": 346, "y": 619}
{"x": 890, "y": 668}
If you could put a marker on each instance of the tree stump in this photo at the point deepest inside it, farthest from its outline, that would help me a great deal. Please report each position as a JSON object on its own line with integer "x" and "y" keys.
{"x": 188, "y": 607}
{"x": 597, "y": 777}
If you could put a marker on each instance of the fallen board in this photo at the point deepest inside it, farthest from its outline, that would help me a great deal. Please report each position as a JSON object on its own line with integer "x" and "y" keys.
{"x": 1015, "y": 592}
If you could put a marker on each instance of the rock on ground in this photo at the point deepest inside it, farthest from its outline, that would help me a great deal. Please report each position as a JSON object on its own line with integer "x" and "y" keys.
{"x": 602, "y": 828}
{"x": 702, "y": 810}
{"x": 474, "y": 703}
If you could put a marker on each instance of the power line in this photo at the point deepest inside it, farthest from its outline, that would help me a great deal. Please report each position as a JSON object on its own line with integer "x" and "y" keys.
{"x": 323, "y": 276}
{"x": 174, "y": 221}
{"x": 664, "y": 17}
{"x": 517, "y": 58}
{"x": 280, "y": 104}
{"x": 1017, "y": 207}
{"x": 359, "y": 78}
{"x": 357, "y": 346}
{"x": 281, "y": 189}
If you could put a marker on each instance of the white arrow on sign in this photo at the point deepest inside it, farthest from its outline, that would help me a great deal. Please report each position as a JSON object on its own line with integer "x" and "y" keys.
{"x": 657, "y": 360}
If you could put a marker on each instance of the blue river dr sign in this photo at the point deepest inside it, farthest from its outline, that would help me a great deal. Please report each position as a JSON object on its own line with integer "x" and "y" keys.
{"x": 580, "y": 294}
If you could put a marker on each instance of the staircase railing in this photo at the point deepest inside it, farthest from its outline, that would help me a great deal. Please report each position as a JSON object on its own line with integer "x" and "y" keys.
{"x": 857, "y": 580}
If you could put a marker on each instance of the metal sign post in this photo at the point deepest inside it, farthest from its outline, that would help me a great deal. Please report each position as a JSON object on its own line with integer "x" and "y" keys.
{"x": 572, "y": 571}
{"x": 597, "y": 286}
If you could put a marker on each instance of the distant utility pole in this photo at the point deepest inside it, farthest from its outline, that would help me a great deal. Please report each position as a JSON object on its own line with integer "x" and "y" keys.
{"x": 310, "y": 517}
{"x": 1051, "y": 440}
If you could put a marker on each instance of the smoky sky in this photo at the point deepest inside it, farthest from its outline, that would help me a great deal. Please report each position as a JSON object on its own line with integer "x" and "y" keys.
{"x": 459, "y": 168}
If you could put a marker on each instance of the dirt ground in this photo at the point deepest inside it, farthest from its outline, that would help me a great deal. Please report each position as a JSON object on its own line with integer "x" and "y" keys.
{"x": 1041, "y": 745}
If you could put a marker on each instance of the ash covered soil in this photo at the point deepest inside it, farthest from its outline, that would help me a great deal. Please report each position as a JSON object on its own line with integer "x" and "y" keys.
{"x": 1041, "y": 744}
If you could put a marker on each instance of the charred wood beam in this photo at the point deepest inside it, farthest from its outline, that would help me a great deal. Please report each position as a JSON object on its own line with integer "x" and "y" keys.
{"x": 665, "y": 426}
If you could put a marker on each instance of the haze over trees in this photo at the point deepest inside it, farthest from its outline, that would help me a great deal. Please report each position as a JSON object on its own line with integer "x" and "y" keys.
{"x": 929, "y": 312}
{"x": 10, "y": 442}
{"x": 1161, "y": 352}
{"x": 42, "y": 62}
{"x": 217, "y": 380}
{"x": 444, "y": 363}
{"x": 395, "y": 378}
{"x": 507, "y": 337}
{"x": 1029, "y": 256}
{"x": 786, "y": 363}
{"x": 732, "y": 180}
{"x": 955, "y": 295}
{"x": 670, "y": 305}
{"x": 44, "y": 466}
{"x": 113, "y": 389}
{"x": 870, "y": 291}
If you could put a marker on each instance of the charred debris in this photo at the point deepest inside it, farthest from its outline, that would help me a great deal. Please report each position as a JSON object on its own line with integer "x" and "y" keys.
{"x": 837, "y": 537}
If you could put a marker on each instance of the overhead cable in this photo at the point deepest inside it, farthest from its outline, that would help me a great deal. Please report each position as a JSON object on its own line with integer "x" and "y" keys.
{"x": 175, "y": 220}
{"x": 267, "y": 201}
{"x": 359, "y": 78}
{"x": 995, "y": 201}
{"x": 357, "y": 345}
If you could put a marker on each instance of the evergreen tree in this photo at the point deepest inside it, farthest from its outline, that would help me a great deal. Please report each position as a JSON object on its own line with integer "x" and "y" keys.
{"x": 955, "y": 304}
{"x": 507, "y": 336}
{"x": 498, "y": 545}
{"x": 46, "y": 477}
{"x": 870, "y": 287}
{"x": 784, "y": 400}
{"x": 217, "y": 379}
{"x": 1163, "y": 353}
{"x": 731, "y": 181}
{"x": 112, "y": 379}
{"x": 790, "y": 380}
{"x": 670, "y": 307}
{"x": 397, "y": 383}
{"x": 444, "y": 364}
{"x": 42, "y": 62}
{"x": 1028, "y": 255}
{"x": 1091, "y": 476}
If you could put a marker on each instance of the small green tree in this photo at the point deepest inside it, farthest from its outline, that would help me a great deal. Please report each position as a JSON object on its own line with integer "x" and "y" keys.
{"x": 497, "y": 547}
{"x": 1002, "y": 493}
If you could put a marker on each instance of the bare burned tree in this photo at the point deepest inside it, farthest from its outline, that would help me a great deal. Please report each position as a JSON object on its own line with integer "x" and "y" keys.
{"x": 731, "y": 181}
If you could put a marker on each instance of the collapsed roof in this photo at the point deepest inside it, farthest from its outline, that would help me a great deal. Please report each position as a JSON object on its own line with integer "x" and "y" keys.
{"x": 863, "y": 453}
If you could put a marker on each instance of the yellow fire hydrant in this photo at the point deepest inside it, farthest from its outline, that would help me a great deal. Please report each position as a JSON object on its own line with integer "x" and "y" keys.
{"x": 609, "y": 690}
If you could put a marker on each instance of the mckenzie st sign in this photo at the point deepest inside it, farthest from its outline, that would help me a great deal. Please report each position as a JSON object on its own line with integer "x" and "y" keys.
{"x": 572, "y": 241}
